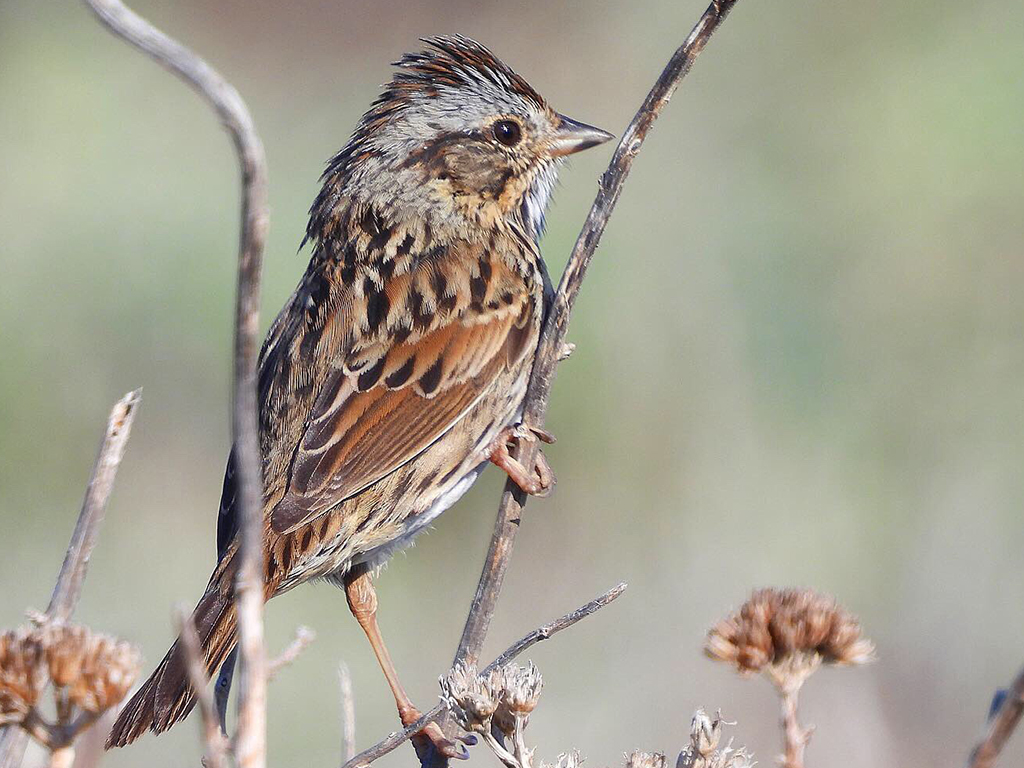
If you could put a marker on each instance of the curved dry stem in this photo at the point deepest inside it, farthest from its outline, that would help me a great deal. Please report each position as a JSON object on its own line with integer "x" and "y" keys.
{"x": 236, "y": 119}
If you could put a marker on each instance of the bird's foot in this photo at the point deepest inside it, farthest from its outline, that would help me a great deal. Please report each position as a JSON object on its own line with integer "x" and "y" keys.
{"x": 432, "y": 739}
{"x": 541, "y": 480}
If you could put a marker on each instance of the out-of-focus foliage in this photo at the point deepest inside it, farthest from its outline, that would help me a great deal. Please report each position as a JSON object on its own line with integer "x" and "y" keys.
{"x": 800, "y": 354}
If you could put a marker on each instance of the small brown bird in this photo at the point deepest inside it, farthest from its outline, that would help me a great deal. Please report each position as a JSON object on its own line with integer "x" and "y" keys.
{"x": 398, "y": 368}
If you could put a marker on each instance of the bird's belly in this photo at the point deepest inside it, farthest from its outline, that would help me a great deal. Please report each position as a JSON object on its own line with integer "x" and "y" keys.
{"x": 413, "y": 524}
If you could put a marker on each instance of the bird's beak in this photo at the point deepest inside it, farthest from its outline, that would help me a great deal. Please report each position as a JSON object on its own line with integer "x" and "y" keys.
{"x": 575, "y": 137}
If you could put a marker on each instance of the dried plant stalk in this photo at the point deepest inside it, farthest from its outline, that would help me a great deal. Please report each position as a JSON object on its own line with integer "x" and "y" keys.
{"x": 552, "y": 346}
{"x": 225, "y": 100}
{"x": 216, "y": 751}
{"x": 68, "y": 588}
{"x": 303, "y": 637}
{"x": 787, "y": 635}
{"x": 348, "y": 713}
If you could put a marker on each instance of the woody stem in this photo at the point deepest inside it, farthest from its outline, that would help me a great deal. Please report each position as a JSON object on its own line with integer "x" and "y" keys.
{"x": 795, "y": 736}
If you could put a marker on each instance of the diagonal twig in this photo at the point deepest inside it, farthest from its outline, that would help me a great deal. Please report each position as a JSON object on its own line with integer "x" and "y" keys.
{"x": 222, "y": 97}
{"x": 553, "y": 627}
{"x": 552, "y": 341}
{"x": 541, "y": 633}
{"x": 303, "y": 637}
{"x": 1001, "y": 725}
{"x": 68, "y": 588}
{"x": 72, "y": 573}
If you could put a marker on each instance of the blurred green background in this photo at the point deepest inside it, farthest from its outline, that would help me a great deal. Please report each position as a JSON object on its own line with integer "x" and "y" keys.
{"x": 800, "y": 355}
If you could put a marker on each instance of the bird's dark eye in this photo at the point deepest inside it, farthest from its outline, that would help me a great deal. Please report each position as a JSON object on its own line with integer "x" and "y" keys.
{"x": 507, "y": 132}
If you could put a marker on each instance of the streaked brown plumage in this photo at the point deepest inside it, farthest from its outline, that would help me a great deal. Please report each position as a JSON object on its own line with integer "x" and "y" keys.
{"x": 392, "y": 374}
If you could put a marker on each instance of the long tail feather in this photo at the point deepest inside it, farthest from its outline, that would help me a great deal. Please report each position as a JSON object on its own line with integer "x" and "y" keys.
{"x": 166, "y": 697}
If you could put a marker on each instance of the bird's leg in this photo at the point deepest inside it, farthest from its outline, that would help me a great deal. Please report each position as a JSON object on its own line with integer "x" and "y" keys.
{"x": 536, "y": 483}
{"x": 362, "y": 601}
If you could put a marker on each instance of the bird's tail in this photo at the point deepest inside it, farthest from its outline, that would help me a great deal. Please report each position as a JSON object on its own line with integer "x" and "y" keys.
{"x": 167, "y": 697}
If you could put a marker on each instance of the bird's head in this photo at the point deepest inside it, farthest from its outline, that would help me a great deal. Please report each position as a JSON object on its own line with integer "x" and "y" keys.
{"x": 458, "y": 132}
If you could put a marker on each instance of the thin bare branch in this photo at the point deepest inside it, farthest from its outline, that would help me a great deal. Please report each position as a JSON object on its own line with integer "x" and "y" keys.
{"x": 1000, "y": 726}
{"x": 236, "y": 119}
{"x": 216, "y": 746}
{"x": 72, "y": 573}
{"x": 348, "y": 713}
{"x": 68, "y": 588}
{"x": 303, "y": 637}
{"x": 527, "y": 641}
{"x": 552, "y": 341}
{"x": 556, "y": 626}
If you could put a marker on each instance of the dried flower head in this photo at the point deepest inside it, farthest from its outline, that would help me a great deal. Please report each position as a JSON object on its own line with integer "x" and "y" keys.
{"x": 521, "y": 688}
{"x": 641, "y": 759}
{"x": 703, "y": 751}
{"x": 788, "y": 633}
{"x": 518, "y": 690}
{"x": 63, "y": 652}
{"x": 470, "y": 697}
{"x": 96, "y": 670}
{"x": 22, "y": 673}
{"x": 705, "y": 732}
{"x": 503, "y": 697}
{"x": 572, "y": 759}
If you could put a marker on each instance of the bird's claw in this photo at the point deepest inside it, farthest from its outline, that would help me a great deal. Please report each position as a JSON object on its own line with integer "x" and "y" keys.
{"x": 522, "y": 431}
{"x": 432, "y": 738}
{"x": 541, "y": 480}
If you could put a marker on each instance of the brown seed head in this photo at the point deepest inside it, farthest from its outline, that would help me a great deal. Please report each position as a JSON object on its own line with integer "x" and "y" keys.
{"x": 96, "y": 670}
{"x": 22, "y": 672}
{"x": 63, "y": 653}
{"x": 775, "y": 627}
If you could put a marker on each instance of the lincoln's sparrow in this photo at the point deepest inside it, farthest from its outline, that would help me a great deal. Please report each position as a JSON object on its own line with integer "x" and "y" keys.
{"x": 398, "y": 368}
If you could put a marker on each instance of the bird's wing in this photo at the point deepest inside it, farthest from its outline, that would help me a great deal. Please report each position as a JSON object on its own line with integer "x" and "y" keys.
{"x": 410, "y": 356}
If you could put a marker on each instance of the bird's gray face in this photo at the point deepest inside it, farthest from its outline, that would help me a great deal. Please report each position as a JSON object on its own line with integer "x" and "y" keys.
{"x": 486, "y": 144}
{"x": 458, "y": 133}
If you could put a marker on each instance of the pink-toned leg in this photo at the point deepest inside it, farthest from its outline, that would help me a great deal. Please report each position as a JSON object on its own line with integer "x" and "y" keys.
{"x": 362, "y": 601}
